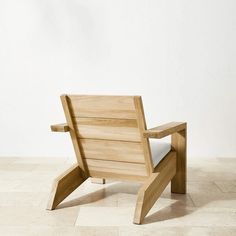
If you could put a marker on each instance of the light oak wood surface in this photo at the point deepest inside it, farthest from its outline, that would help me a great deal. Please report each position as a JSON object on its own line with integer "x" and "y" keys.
{"x": 60, "y": 128}
{"x": 154, "y": 186}
{"x": 120, "y": 107}
{"x": 179, "y": 144}
{"x": 98, "y": 181}
{"x": 111, "y": 141}
{"x": 112, "y": 150}
{"x": 64, "y": 185}
{"x": 164, "y": 130}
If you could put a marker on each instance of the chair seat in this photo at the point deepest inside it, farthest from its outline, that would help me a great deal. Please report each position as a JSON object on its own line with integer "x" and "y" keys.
{"x": 159, "y": 149}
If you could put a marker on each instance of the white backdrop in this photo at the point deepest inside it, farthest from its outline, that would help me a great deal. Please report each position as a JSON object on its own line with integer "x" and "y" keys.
{"x": 179, "y": 55}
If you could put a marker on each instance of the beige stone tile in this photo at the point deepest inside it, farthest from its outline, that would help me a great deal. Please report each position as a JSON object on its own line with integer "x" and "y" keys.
{"x": 124, "y": 187}
{"x": 34, "y": 216}
{"x": 27, "y": 184}
{"x": 174, "y": 216}
{"x": 126, "y": 199}
{"x": 177, "y": 231}
{"x": 166, "y": 199}
{"x": 57, "y": 231}
{"x": 105, "y": 216}
{"x": 20, "y": 167}
{"x": 8, "y": 185}
{"x": 92, "y": 199}
{"x": 209, "y": 195}
{"x": 33, "y": 186}
{"x": 41, "y": 160}
{"x": 170, "y": 216}
{"x": 19, "y": 199}
{"x": 226, "y": 186}
{"x": 146, "y": 231}
{"x": 98, "y": 231}
{"x": 13, "y": 175}
{"x": 114, "y": 231}
{"x": 212, "y": 169}
{"x": 222, "y": 231}
{"x": 7, "y": 160}
{"x": 89, "y": 194}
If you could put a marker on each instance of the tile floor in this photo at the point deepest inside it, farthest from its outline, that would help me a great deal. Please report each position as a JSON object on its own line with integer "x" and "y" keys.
{"x": 209, "y": 208}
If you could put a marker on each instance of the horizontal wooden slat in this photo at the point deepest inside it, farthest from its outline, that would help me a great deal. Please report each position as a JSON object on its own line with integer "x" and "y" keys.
{"x": 103, "y": 106}
{"x": 115, "y": 167}
{"x": 117, "y": 176}
{"x": 112, "y": 150}
{"x": 132, "y": 123}
{"x": 111, "y": 129}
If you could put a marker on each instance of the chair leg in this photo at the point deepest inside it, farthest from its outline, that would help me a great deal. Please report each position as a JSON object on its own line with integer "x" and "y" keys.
{"x": 64, "y": 185}
{"x": 98, "y": 181}
{"x": 179, "y": 144}
{"x": 154, "y": 186}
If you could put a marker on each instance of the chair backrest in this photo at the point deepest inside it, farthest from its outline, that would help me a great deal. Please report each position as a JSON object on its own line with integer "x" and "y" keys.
{"x": 109, "y": 132}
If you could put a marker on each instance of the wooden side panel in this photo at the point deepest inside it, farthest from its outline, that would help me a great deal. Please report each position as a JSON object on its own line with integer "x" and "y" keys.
{"x": 114, "y": 167}
{"x": 112, "y": 150}
{"x": 121, "y": 107}
{"x": 111, "y": 129}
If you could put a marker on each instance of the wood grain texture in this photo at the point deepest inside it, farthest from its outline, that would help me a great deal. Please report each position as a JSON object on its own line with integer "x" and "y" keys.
{"x": 73, "y": 134}
{"x": 110, "y": 129}
{"x": 64, "y": 185}
{"x": 60, "y": 128}
{"x": 142, "y": 126}
{"x": 112, "y": 150}
{"x": 116, "y": 167}
{"x": 164, "y": 130}
{"x": 154, "y": 186}
{"x": 118, "y": 176}
{"x": 120, "y": 107}
{"x": 111, "y": 142}
{"x": 98, "y": 181}
{"x": 179, "y": 144}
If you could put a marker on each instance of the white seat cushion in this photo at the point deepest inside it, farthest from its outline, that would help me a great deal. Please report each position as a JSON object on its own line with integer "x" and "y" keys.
{"x": 158, "y": 149}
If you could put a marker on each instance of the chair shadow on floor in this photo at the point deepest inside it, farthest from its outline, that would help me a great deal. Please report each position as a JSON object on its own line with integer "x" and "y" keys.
{"x": 178, "y": 207}
{"x": 116, "y": 188}
{"x": 205, "y": 197}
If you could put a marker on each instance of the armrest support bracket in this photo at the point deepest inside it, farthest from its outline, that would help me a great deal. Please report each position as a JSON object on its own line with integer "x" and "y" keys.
{"x": 60, "y": 128}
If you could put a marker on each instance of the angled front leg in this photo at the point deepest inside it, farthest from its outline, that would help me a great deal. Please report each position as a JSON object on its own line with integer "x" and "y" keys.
{"x": 64, "y": 185}
{"x": 154, "y": 186}
{"x": 179, "y": 144}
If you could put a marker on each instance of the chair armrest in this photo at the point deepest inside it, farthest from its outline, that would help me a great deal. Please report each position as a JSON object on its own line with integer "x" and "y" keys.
{"x": 60, "y": 128}
{"x": 164, "y": 130}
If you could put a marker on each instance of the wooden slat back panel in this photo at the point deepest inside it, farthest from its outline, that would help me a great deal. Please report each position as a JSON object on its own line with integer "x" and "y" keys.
{"x": 114, "y": 167}
{"x": 121, "y": 107}
{"x": 121, "y": 151}
{"x": 109, "y": 134}
{"x": 109, "y": 129}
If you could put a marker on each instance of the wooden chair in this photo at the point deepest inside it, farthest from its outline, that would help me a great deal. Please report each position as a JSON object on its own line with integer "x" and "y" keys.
{"x": 110, "y": 140}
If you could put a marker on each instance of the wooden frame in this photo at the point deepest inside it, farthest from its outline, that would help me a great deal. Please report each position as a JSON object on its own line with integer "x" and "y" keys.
{"x": 111, "y": 140}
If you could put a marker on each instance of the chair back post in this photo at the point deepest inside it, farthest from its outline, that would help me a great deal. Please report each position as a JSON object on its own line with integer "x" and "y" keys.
{"x": 142, "y": 127}
{"x": 76, "y": 145}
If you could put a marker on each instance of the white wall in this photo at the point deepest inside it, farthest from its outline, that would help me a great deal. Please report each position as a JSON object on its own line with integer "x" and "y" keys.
{"x": 179, "y": 55}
